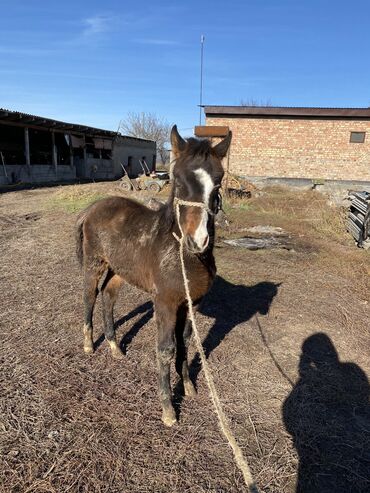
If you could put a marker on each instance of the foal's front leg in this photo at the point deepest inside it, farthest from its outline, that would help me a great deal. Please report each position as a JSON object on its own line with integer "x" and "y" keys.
{"x": 183, "y": 337}
{"x": 166, "y": 321}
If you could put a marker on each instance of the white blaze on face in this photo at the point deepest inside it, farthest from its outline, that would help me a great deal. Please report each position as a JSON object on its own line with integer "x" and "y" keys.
{"x": 201, "y": 237}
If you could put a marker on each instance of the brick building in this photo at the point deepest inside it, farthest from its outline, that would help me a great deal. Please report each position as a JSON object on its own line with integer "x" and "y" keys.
{"x": 296, "y": 143}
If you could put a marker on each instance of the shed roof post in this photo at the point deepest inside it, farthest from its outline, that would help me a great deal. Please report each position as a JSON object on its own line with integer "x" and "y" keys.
{"x": 54, "y": 156}
{"x": 27, "y": 149}
{"x": 85, "y": 157}
{"x": 70, "y": 151}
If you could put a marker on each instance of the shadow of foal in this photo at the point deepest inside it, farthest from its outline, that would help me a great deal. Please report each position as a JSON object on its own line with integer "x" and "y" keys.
{"x": 146, "y": 309}
{"x": 230, "y": 305}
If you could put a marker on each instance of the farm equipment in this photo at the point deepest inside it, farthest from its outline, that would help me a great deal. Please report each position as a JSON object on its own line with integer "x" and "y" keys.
{"x": 359, "y": 218}
{"x": 151, "y": 181}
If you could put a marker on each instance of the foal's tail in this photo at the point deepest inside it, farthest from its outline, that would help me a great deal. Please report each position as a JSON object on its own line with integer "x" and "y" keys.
{"x": 79, "y": 235}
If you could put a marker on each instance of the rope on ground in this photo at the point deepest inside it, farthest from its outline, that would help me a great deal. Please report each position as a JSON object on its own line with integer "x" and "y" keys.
{"x": 240, "y": 460}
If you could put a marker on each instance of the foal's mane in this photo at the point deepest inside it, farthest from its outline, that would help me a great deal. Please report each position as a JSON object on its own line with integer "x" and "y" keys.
{"x": 198, "y": 147}
{"x": 166, "y": 213}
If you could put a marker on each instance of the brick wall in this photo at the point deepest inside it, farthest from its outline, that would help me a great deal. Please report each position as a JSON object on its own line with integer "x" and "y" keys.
{"x": 297, "y": 148}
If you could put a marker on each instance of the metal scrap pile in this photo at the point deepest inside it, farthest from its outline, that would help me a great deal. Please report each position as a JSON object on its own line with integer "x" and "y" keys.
{"x": 359, "y": 218}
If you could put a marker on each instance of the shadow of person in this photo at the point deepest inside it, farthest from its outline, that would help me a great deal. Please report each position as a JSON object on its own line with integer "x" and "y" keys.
{"x": 328, "y": 416}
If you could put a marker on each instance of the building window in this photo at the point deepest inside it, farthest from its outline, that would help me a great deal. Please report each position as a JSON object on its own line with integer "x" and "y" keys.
{"x": 357, "y": 137}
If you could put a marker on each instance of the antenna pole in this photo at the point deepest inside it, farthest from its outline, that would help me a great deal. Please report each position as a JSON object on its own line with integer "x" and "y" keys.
{"x": 201, "y": 78}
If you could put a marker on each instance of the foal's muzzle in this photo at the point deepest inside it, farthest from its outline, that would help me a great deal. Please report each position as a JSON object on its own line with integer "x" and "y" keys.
{"x": 194, "y": 247}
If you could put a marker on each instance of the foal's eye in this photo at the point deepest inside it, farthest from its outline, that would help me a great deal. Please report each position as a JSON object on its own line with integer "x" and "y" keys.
{"x": 216, "y": 200}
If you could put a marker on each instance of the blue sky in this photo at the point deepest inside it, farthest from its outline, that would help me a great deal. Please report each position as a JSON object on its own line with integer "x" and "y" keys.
{"x": 92, "y": 62}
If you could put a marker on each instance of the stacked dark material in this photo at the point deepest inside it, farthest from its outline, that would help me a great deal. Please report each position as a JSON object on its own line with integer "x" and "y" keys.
{"x": 359, "y": 218}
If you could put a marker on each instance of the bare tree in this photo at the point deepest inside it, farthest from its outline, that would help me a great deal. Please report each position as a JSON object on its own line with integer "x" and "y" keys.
{"x": 254, "y": 102}
{"x": 148, "y": 126}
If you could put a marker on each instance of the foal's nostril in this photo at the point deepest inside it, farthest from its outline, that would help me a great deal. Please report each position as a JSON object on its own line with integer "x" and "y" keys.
{"x": 190, "y": 242}
{"x": 193, "y": 246}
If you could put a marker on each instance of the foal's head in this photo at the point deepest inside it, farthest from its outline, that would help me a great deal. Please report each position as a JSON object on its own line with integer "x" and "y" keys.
{"x": 197, "y": 178}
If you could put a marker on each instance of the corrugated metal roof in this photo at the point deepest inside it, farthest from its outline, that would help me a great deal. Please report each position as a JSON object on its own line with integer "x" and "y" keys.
{"x": 288, "y": 111}
{"x": 18, "y": 117}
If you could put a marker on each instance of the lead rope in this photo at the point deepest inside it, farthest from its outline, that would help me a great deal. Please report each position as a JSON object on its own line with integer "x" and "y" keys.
{"x": 240, "y": 460}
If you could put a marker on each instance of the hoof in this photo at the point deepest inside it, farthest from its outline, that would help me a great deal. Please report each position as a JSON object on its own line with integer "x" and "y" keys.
{"x": 118, "y": 354}
{"x": 169, "y": 417}
{"x": 116, "y": 350}
{"x": 189, "y": 389}
{"x": 88, "y": 349}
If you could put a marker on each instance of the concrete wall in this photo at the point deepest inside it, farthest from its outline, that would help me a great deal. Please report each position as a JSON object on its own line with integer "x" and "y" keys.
{"x": 124, "y": 147}
{"x": 297, "y": 148}
{"x": 95, "y": 169}
{"x": 36, "y": 174}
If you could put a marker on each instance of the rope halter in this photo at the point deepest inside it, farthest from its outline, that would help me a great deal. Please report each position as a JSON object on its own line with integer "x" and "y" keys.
{"x": 201, "y": 205}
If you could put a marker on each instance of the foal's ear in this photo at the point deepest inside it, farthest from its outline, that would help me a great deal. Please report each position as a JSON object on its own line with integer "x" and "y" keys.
{"x": 177, "y": 142}
{"x": 222, "y": 147}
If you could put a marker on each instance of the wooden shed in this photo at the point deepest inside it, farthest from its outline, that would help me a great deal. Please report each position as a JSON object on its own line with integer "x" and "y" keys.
{"x": 34, "y": 149}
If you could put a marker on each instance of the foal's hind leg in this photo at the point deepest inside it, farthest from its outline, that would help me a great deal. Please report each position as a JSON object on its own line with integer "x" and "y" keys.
{"x": 91, "y": 279}
{"x": 166, "y": 321}
{"x": 183, "y": 336}
{"x": 110, "y": 288}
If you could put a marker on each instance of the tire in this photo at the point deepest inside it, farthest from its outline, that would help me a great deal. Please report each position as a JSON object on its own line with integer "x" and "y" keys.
{"x": 126, "y": 186}
{"x": 153, "y": 187}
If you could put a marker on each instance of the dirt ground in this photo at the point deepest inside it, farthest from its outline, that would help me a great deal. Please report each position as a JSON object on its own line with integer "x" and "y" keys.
{"x": 286, "y": 332}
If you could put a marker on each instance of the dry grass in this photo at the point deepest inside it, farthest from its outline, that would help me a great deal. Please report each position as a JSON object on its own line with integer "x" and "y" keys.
{"x": 70, "y": 423}
{"x": 314, "y": 225}
{"x": 305, "y": 214}
{"x": 330, "y": 222}
{"x": 74, "y": 198}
